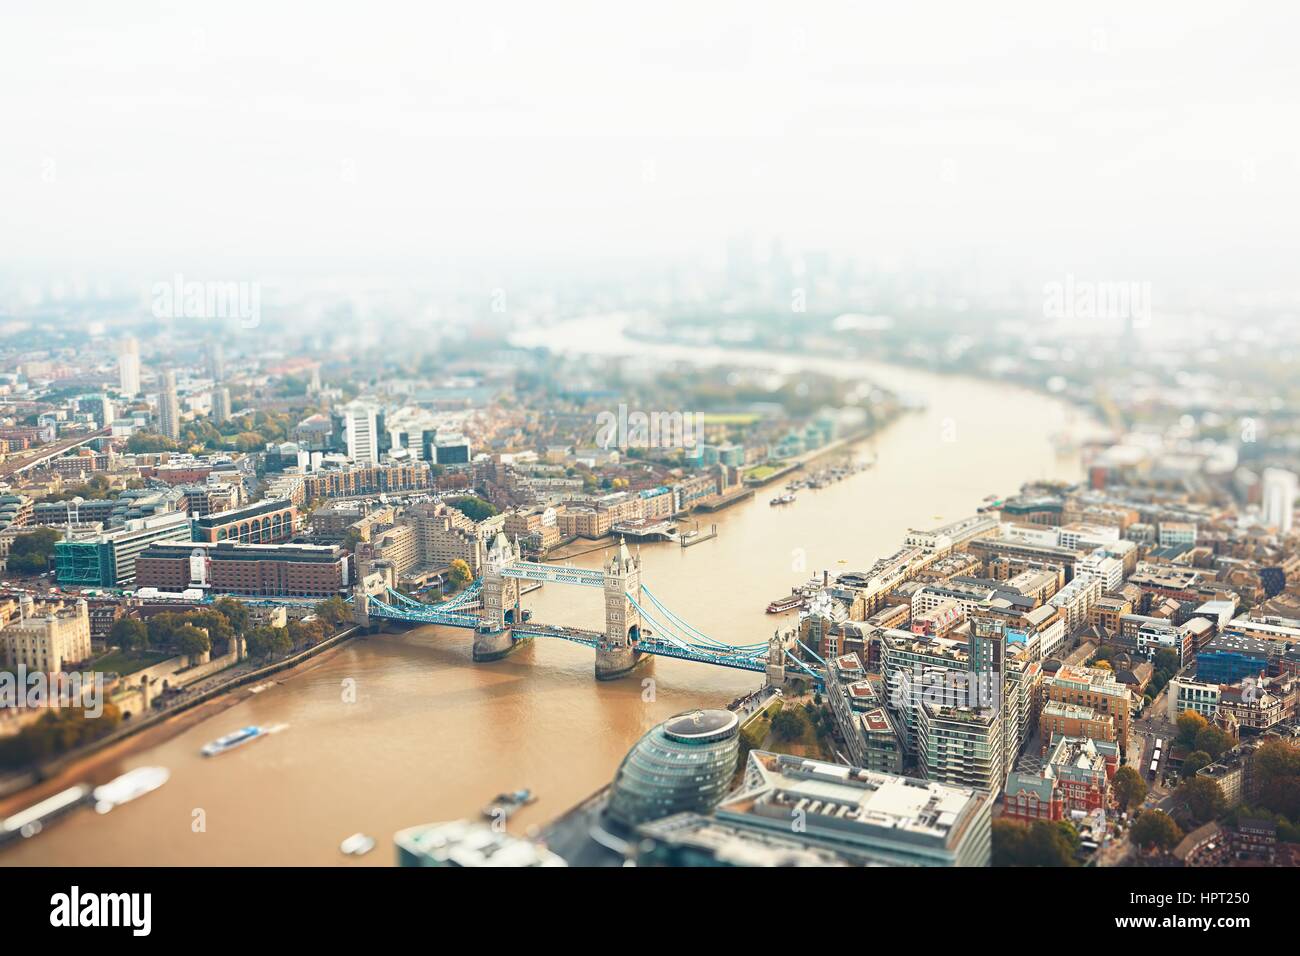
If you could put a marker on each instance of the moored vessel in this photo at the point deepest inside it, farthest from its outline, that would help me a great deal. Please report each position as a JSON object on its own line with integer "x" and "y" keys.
{"x": 781, "y": 605}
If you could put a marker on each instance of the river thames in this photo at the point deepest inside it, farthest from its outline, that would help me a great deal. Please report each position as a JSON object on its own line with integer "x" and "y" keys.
{"x": 427, "y": 735}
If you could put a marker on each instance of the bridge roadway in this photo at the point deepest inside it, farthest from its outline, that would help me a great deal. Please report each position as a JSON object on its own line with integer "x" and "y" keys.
{"x": 667, "y": 637}
{"x": 34, "y": 457}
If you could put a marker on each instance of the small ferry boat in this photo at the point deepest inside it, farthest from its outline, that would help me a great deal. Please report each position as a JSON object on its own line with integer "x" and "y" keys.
{"x": 359, "y": 844}
{"x": 236, "y": 739}
{"x": 132, "y": 784}
{"x": 506, "y": 804}
{"x": 782, "y": 500}
{"x": 781, "y": 605}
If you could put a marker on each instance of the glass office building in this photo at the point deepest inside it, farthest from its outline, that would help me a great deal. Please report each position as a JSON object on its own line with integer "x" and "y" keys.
{"x": 684, "y": 764}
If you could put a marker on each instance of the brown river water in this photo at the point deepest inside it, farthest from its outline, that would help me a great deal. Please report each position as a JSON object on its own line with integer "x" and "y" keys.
{"x": 433, "y": 736}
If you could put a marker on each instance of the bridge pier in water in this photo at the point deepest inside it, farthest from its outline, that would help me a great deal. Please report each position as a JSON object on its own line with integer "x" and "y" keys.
{"x": 494, "y": 639}
{"x": 617, "y": 654}
{"x": 637, "y": 624}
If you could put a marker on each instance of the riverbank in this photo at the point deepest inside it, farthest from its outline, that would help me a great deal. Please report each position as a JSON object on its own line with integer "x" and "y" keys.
{"x": 67, "y": 769}
{"x": 430, "y": 735}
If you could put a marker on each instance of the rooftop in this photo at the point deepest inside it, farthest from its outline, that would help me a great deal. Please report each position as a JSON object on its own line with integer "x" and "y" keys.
{"x": 892, "y": 807}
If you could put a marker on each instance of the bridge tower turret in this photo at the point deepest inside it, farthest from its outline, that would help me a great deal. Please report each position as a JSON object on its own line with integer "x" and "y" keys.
{"x": 775, "y": 660}
{"x": 617, "y": 653}
{"x": 492, "y": 638}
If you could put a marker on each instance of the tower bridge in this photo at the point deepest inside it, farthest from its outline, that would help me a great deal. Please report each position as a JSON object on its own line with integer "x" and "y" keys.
{"x": 637, "y": 624}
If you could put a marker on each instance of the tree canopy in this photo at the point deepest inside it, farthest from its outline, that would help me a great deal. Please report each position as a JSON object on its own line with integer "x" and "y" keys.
{"x": 1155, "y": 828}
{"x": 1044, "y": 843}
{"x": 1189, "y": 724}
{"x": 1204, "y": 798}
{"x": 475, "y": 508}
{"x": 1130, "y": 788}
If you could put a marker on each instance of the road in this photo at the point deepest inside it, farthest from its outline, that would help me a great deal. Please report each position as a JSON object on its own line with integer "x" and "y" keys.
{"x": 35, "y": 456}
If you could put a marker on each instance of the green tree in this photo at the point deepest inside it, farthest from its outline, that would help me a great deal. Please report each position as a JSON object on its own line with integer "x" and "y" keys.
{"x": 1204, "y": 799}
{"x": 1039, "y": 844}
{"x": 264, "y": 642}
{"x": 306, "y": 633}
{"x": 1277, "y": 770}
{"x": 1166, "y": 664}
{"x": 1130, "y": 788}
{"x": 235, "y": 613}
{"x": 1155, "y": 828}
{"x": 145, "y": 442}
{"x": 1189, "y": 724}
{"x": 1194, "y": 761}
{"x": 163, "y": 627}
{"x": 220, "y": 633}
{"x": 30, "y": 553}
{"x": 128, "y": 633}
{"x": 789, "y": 725}
{"x": 260, "y": 642}
{"x": 191, "y": 641}
{"x": 1213, "y": 741}
{"x": 333, "y": 612}
{"x": 475, "y": 508}
{"x": 281, "y": 642}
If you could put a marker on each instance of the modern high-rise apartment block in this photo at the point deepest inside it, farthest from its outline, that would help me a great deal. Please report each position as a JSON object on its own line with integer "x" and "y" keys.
{"x": 1278, "y": 498}
{"x": 169, "y": 406}
{"x": 128, "y": 368}
{"x": 361, "y": 431}
{"x": 221, "y": 404}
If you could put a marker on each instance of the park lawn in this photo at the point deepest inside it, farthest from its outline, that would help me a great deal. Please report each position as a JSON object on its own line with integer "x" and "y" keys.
{"x": 761, "y": 471}
{"x": 128, "y": 662}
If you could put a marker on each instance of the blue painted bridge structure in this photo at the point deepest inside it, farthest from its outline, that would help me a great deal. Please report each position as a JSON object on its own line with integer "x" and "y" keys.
{"x": 637, "y": 623}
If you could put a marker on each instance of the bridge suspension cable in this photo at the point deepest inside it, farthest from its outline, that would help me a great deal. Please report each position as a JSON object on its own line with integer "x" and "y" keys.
{"x": 700, "y": 635}
{"x": 713, "y": 650}
{"x": 810, "y": 651}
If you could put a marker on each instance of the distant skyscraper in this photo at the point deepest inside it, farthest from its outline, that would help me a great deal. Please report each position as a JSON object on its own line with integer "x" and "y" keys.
{"x": 169, "y": 406}
{"x": 217, "y": 361}
{"x": 128, "y": 368}
{"x": 1278, "y": 498}
{"x": 221, "y": 404}
{"x": 361, "y": 428}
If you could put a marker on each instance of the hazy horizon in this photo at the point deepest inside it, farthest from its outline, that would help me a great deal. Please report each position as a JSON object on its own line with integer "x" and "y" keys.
{"x": 1131, "y": 144}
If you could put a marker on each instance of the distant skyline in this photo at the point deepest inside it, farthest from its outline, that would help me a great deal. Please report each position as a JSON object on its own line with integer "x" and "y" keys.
{"x": 1150, "y": 144}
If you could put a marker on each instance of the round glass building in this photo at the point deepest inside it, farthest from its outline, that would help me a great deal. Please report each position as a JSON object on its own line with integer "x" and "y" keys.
{"x": 684, "y": 764}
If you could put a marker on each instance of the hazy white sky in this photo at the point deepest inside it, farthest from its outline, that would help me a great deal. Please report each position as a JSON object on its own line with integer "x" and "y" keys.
{"x": 1080, "y": 136}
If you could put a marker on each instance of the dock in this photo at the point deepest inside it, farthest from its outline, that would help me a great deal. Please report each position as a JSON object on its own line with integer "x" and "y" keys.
{"x": 699, "y": 537}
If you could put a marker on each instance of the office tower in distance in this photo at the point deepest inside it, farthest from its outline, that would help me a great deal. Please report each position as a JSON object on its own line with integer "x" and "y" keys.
{"x": 361, "y": 428}
{"x": 216, "y": 355}
{"x": 169, "y": 406}
{"x": 128, "y": 368}
{"x": 221, "y": 404}
{"x": 1278, "y": 498}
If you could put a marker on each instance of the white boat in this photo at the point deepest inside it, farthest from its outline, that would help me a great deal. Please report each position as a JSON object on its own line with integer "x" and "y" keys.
{"x": 238, "y": 738}
{"x": 131, "y": 785}
{"x": 29, "y": 822}
{"x": 357, "y": 845}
